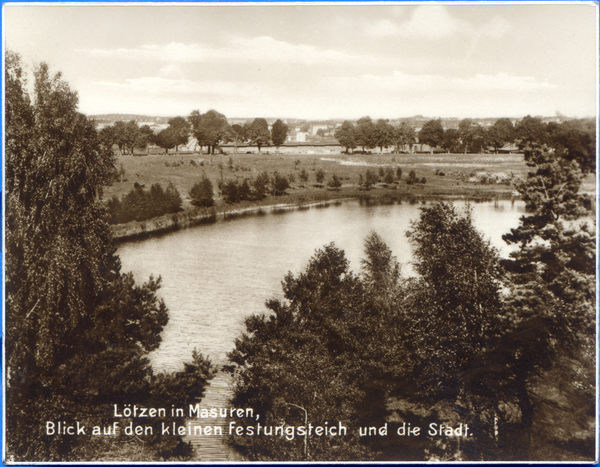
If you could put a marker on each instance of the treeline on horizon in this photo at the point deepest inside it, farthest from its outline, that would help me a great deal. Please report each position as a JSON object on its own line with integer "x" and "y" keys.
{"x": 211, "y": 129}
{"x": 471, "y": 339}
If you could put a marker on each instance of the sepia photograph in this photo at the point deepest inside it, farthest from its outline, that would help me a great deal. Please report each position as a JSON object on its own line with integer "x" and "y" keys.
{"x": 358, "y": 232}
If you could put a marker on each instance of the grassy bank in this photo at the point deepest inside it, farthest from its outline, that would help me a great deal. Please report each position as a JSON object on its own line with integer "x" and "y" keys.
{"x": 474, "y": 176}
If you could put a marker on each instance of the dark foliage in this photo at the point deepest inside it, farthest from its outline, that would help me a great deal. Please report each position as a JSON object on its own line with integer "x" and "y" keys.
{"x": 77, "y": 329}
{"x": 335, "y": 182}
{"x": 141, "y": 204}
{"x": 280, "y": 183}
{"x": 202, "y": 194}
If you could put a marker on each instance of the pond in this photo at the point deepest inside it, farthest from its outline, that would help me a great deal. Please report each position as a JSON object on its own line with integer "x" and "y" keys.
{"x": 214, "y": 276}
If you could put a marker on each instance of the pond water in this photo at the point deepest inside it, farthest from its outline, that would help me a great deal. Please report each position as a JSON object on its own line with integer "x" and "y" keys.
{"x": 214, "y": 276}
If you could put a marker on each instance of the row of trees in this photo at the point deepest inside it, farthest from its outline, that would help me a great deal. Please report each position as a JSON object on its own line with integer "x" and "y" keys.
{"x": 140, "y": 204}
{"x": 209, "y": 129}
{"x": 77, "y": 329}
{"x": 368, "y": 135}
{"x": 574, "y": 137}
{"x": 472, "y": 339}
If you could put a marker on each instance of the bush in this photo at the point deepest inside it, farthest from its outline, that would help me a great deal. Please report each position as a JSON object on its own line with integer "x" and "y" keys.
{"x": 320, "y": 176}
{"x": 259, "y": 185}
{"x": 389, "y": 175}
{"x": 335, "y": 182}
{"x": 202, "y": 193}
{"x": 412, "y": 178}
{"x": 371, "y": 179}
{"x": 140, "y": 204}
{"x": 280, "y": 184}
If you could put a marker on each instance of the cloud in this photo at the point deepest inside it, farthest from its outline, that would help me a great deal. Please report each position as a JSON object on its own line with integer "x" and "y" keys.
{"x": 171, "y": 71}
{"x": 401, "y": 82}
{"x": 434, "y": 22}
{"x": 263, "y": 49}
{"x": 164, "y": 86}
{"x": 384, "y": 28}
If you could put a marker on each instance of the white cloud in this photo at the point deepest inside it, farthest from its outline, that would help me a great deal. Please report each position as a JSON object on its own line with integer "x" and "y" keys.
{"x": 434, "y": 22}
{"x": 171, "y": 71}
{"x": 402, "y": 82}
{"x": 163, "y": 86}
{"x": 263, "y": 49}
{"x": 384, "y": 28}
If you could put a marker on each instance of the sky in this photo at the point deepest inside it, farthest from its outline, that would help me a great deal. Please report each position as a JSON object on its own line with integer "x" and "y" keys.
{"x": 325, "y": 61}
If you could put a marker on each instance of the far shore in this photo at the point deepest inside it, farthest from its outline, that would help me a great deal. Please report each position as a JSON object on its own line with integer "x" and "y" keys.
{"x": 138, "y": 230}
{"x": 445, "y": 176}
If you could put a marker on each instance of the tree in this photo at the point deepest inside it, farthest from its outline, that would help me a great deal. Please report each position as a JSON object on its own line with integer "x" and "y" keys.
{"x": 575, "y": 140}
{"x": 403, "y": 135}
{"x": 77, "y": 329}
{"x": 145, "y": 137}
{"x": 412, "y": 178}
{"x": 381, "y": 273}
{"x": 551, "y": 286}
{"x": 279, "y": 133}
{"x": 280, "y": 184}
{"x": 201, "y": 193}
{"x": 466, "y": 131}
{"x": 260, "y": 184}
{"x": 371, "y": 179}
{"x": 451, "y": 141}
{"x": 366, "y": 134}
{"x": 320, "y": 176}
{"x": 209, "y": 128}
{"x": 432, "y": 133}
{"x": 258, "y": 132}
{"x": 346, "y": 136}
{"x": 128, "y": 135}
{"x": 455, "y": 318}
{"x": 388, "y": 175}
{"x": 166, "y": 139}
{"x": 530, "y": 130}
{"x": 304, "y": 176}
{"x": 384, "y": 134}
{"x": 180, "y": 128}
{"x": 108, "y": 137}
{"x": 480, "y": 139}
{"x": 501, "y": 133}
{"x": 308, "y": 361}
{"x": 335, "y": 182}
{"x": 237, "y": 135}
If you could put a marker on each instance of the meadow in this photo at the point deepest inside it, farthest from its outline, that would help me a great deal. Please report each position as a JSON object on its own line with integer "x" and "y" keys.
{"x": 482, "y": 176}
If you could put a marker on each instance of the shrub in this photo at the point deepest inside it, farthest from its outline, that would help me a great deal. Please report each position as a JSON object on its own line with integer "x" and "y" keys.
{"x": 370, "y": 179}
{"x": 202, "y": 193}
{"x": 280, "y": 184}
{"x": 140, "y": 204}
{"x": 412, "y": 178}
{"x": 389, "y": 175}
{"x": 335, "y": 182}
{"x": 320, "y": 176}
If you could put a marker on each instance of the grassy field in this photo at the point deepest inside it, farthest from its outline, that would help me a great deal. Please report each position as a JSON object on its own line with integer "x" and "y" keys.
{"x": 470, "y": 175}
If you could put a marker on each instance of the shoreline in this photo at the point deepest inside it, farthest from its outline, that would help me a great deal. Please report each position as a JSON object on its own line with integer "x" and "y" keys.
{"x": 163, "y": 225}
